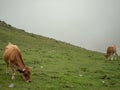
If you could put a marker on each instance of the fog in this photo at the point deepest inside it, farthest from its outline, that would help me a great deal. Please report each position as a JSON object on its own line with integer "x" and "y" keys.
{"x": 91, "y": 24}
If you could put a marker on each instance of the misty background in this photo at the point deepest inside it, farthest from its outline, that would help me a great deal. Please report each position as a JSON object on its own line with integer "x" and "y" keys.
{"x": 91, "y": 24}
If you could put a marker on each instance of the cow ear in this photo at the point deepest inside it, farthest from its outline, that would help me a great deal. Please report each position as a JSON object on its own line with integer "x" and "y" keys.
{"x": 23, "y": 69}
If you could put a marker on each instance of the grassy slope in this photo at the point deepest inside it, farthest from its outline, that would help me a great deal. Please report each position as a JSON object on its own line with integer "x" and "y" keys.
{"x": 57, "y": 65}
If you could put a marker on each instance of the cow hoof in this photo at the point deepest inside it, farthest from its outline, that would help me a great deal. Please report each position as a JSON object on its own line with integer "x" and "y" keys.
{"x": 13, "y": 77}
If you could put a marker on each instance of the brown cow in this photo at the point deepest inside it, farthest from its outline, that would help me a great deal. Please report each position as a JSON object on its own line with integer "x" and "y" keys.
{"x": 111, "y": 53}
{"x": 12, "y": 56}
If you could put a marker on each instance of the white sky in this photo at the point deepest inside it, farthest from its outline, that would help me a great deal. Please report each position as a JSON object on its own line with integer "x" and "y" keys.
{"x": 92, "y": 24}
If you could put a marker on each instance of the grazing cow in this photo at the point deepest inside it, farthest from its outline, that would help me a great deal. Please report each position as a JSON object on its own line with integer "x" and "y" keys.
{"x": 111, "y": 52}
{"x": 12, "y": 56}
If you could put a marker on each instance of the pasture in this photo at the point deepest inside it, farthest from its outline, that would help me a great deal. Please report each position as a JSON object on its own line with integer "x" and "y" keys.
{"x": 57, "y": 65}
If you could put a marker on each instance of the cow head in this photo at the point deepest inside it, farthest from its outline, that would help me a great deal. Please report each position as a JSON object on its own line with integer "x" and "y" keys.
{"x": 25, "y": 74}
{"x": 106, "y": 56}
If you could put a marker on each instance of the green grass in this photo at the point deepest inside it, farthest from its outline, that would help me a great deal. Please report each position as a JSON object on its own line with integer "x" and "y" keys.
{"x": 57, "y": 65}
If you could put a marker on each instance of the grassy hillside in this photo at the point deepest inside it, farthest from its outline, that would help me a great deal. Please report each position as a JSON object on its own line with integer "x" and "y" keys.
{"x": 57, "y": 65}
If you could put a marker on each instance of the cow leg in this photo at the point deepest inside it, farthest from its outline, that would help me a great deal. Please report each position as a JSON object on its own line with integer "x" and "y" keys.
{"x": 7, "y": 68}
{"x": 115, "y": 55}
{"x": 111, "y": 57}
{"x": 13, "y": 71}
